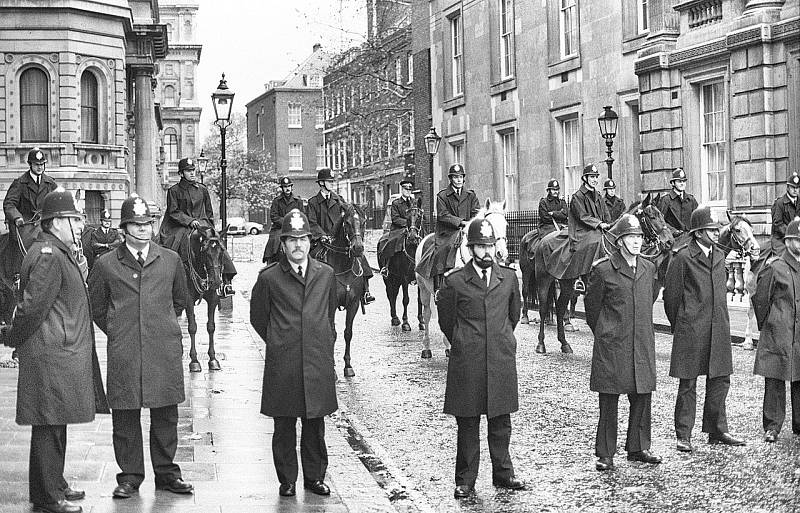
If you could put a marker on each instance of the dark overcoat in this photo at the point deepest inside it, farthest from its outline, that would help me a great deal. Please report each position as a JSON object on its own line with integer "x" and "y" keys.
{"x": 281, "y": 206}
{"x": 696, "y": 306}
{"x": 619, "y": 311}
{"x": 324, "y": 215}
{"x": 479, "y": 322}
{"x": 776, "y": 302}
{"x": 783, "y": 212}
{"x": 451, "y": 210}
{"x": 102, "y": 242}
{"x": 615, "y": 206}
{"x": 586, "y": 211}
{"x": 137, "y": 308}
{"x": 295, "y": 318}
{"x": 677, "y": 212}
{"x": 399, "y": 214}
{"x": 52, "y": 330}
{"x": 24, "y": 197}
{"x": 186, "y": 202}
{"x": 550, "y": 210}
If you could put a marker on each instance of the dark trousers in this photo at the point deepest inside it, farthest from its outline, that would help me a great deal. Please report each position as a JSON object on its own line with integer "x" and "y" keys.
{"x": 715, "y": 420}
{"x": 468, "y": 448}
{"x": 46, "y": 482}
{"x": 775, "y": 404}
{"x": 128, "y": 444}
{"x": 638, "y": 438}
{"x": 313, "y": 452}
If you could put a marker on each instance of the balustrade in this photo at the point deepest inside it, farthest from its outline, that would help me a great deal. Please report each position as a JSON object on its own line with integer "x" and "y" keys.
{"x": 704, "y": 13}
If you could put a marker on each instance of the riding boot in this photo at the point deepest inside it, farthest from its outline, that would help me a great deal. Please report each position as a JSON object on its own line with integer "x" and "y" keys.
{"x": 437, "y": 281}
{"x": 368, "y": 298}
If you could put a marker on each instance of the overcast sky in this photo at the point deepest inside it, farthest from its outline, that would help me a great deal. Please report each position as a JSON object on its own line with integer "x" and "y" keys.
{"x": 254, "y": 41}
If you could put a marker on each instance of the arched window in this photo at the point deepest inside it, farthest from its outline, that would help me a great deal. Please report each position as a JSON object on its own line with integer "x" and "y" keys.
{"x": 187, "y": 30}
{"x": 33, "y": 93}
{"x": 169, "y": 96}
{"x": 170, "y": 145}
{"x": 89, "y": 111}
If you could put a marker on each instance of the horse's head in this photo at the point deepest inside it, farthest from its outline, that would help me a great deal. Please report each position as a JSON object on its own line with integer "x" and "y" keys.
{"x": 738, "y": 236}
{"x": 657, "y": 235}
{"x": 414, "y": 224}
{"x": 353, "y": 230}
{"x": 495, "y": 213}
{"x": 207, "y": 254}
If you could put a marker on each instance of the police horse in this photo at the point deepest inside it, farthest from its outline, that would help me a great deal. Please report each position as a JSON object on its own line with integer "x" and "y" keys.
{"x": 400, "y": 267}
{"x": 495, "y": 213}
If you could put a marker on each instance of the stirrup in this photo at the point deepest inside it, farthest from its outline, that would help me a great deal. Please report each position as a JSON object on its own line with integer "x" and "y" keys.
{"x": 225, "y": 290}
{"x": 384, "y": 271}
{"x": 579, "y": 286}
{"x": 368, "y": 298}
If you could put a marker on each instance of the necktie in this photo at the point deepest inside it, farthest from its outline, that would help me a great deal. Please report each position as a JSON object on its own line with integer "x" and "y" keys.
{"x": 485, "y": 278}
{"x": 139, "y": 258}
{"x": 300, "y": 270}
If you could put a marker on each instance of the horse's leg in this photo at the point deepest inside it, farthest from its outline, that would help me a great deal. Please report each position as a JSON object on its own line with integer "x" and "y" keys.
{"x": 420, "y": 309}
{"x": 212, "y": 300}
{"x": 406, "y": 326}
{"x": 526, "y": 292}
{"x": 543, "y": 291}
{"x": 392, "y": 288}
{"x": 194, "y": 365}
{"x": 424, "y": 297}
{"x": 569, "y": 313}
{"x": 749, "y": 343}
{"x": 352, "y": 308}
{"x": 561, "y": 307}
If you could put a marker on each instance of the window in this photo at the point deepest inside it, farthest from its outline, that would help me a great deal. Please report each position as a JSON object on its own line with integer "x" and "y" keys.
{"x": 315, "y": 81}
{"x": 572, "y": 154}
{"x": 509, "y": 143}
{"x": 33, "y": 92}
{"x": 713, "y": 142}
{"x": 642, "y": 16}
{"x": 320, "y": 156}
{"x": 320, "y": 122}
{"x": 169, "y": 96}
{"x": 506, "y": 38}
{"x": 258, "y": 122}
{"x": 398, "y": 71}
{"x": 89, "y": 119}
{"x": 295, "y": 115}
{"x": 171, "y": 145}
{"x": 457, "y": 57}
{"x": 457, "y": 153}
{"x": 410, "y": 68}
{"x": 568, "y": 25}
{"x": 295, "y": 157}
{"x": 93, "y": 206}
{"x": 187, "y": 30}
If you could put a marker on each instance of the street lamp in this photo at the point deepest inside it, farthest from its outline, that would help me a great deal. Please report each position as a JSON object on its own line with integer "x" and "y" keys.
{"x": 202, "y": 163}
{"x": 608, "y": 129}
{"x": 222, "y": 99}
{"x": 432, "y": 140}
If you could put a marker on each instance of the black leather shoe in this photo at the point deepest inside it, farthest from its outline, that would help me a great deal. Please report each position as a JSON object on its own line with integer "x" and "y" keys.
{"x": 58, "y": 507}
{"x": 176, "y": 486}
{"x": 512, "y": 483}
{"x": 604, "y": 463}
{"x": 125, "y": 491}
{"x": 770, "y": 436}
{"x": 317, "y": 487}
{"x": 463, "y": 491}
{"x": 684, "y": 445}
{"x": 724, "y": 438}
{"x": 74, "y": 495}
{"x": 644, "y": 457}
{"x": 287, "y": 490}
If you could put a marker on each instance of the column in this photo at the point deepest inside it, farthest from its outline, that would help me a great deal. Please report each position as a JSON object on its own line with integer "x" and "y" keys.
{"x": 144, "y": 179}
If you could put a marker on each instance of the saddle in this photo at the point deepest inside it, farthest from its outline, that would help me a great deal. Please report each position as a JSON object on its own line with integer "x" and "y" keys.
{"x": 564, "y": 262}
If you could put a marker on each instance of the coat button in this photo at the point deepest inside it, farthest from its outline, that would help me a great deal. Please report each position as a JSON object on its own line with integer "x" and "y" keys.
{"x": 135, "y": 275}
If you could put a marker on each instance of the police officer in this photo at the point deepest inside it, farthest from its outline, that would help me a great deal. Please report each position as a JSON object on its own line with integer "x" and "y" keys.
{"x": 399, "y": 209}
{"x": 587, "y": 219}
{"x": 454, "y": 206}
{"x": 614, "y": 204}
{"x": 784, "y": 209}
{"x": 137, "y": 292}
{"x": 189, "y": 207}
{"x": 324, "y": 213}
{"x": 283, "y": 203}
{"x": 678, "y": 205}
{"x": 292, "y": 308}
{"x": 619, "y": 311}
{"x": 778, "y": 355}
{"x": 482, "y": 300}
{"x": 105, "y": 238}
{"x": 696, "y": 306}
{"x": 52, "y": 328}
{"x": 552, "y": 210}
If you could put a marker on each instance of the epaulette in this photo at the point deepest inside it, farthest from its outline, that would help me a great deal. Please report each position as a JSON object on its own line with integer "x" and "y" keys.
{"x": 599, "y": 261}
{"x": 46, "y": 250}
{"x": 509, "y": 267}
{"x": 451, "y": 271}
{"x": 675, "y": 250}
{"x": 267, "y": 267}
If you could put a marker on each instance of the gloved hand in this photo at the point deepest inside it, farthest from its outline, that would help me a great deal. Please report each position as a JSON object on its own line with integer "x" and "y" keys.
{"x": 19, "y": 221}
{"x": 195, "y": 224}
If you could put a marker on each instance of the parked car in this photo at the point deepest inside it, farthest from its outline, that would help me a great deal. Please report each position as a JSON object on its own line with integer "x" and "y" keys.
{"x": 238, "y": 226}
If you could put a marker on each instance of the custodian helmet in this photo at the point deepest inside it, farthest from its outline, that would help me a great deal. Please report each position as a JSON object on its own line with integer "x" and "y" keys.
{"x": 285, "y": 181}
{"x": 60, "y": 203}
{"x": 480, "y": 232}
{"x": 590, "y": 170}
{"x": 793, "y": 180}
{"x": 701, "y": 220}
{"x": 325, "y": 174}
{"x": 134, "y": 210}
{"x": 553, "y": 184}
{"x": 609, "y": 184}
{"x": 295, "y": 224}
{"x": 793, "y": 230}
{"x": 184, "y": 164}
{"x": 456, "y": 170}
{"x": 628, "y": 224}
{"x": 678, "y": 174}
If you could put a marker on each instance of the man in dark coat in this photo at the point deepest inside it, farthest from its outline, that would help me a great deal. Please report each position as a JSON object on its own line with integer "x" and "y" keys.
{"x": 325, "y": 214}
{"x": 696, "y": 306}
{"x": 292, "y": 308}
{"x": 778, "y": 356}
{"x": 678, "y": 205}
{"x": 105, "y": 238}
{"x": 52, "y": 329}
{"x": 189, "y": 207}
{"x": 283, "y": 203}
{"x": 479, "y": 307}
{"x": 552, "y": 210}
{"x": 619, "y": 311}
{"x": 454, "y": 207}
{"x": 784, "y": 210}
{"x": 588, "y": 219}
{"x": 391, "y": 243}
{"x": 614, "y": 204}
{"x": 138, "y": 290}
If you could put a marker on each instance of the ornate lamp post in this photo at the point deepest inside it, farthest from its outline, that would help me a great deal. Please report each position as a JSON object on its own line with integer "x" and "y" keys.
{"x": 432, "y": 140}
{"x": 608, "y": 129}
{"x": 202, "y": 164}
{"x": 222, "y": 99}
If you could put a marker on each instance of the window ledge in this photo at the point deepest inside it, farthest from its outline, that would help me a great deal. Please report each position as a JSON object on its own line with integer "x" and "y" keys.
{"x": 504, "y": 86}
{"x": 634, "y": 43}
{"x": 95, "y": 146}
{"x": 453, "y": 103}
{"x": 567, "y": 64}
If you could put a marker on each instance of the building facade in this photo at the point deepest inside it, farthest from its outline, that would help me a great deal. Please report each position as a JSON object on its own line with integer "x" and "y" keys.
{"x": 76, "y": 81}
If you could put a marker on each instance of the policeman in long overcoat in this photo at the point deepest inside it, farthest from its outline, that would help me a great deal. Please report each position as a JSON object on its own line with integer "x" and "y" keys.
{"x": 784, "y": 210}
{"x": 292, "y": 308}
{"x": 399, "y": 210}
{"x": 696, "y": 306}
{"x": 479, "y": 307}
{"x": 552, "y": 210}
{"x": 283, "y": 203}
{"x": 678, "y": 205}
{"x": 137, "y": 292}
{"x": 105, "y": 238}
{"x": 52, "y": 329}
{"x": 619, "y": 311}
{"x": 614, "y": 204}
{"x": 588, "y": 218}
{"x": 778, "y": 355}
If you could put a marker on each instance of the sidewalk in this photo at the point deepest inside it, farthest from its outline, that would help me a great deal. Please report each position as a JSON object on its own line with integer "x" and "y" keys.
{"x": 224, "y": 446}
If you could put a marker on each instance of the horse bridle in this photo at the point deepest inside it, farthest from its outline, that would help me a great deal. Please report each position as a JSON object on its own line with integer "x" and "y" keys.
{"x": 412, "y": 230}
{"x": 199, "y": 281}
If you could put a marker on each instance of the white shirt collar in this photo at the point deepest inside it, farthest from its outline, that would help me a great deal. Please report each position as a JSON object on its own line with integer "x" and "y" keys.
{"x": 295, "y": 266}
{"x": 35, "y": 178}
{"x": 134, "y": 251}
{"x": 706, "y": 249}
{"x": 480, "y": 270}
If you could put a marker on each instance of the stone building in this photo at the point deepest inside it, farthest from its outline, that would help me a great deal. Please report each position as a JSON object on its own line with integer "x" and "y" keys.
{"x": 76, "y": 80}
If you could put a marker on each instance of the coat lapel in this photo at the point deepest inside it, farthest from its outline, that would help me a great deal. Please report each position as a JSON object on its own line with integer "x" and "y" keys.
{"x": 621, "y": 265}
{"x": 496, "y": 278}
{"x": 126, "y": 258}
{"x": 287, "y": 268}
{"x": 699, "y": 256}
{"x": 153, "y": 253}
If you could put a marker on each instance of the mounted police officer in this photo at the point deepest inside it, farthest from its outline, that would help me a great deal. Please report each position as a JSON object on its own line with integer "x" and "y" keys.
{"x": 391, "y": 243}
{"x": 588, "y": 218}
{"x": 324, "y": 214}
{"x": 696, "y": 305}
{"x": 784, "y": 210}
{"x": 283, "y": 203}
{"x": 619, "y": 311}
{"x": 552, "y": 210}
{"x": 678, "y": 205}
{"x": 454, "y": 206}
{"x": 479, "y": 307}
{"x": 188, "y": 208}
{"x": 614, "y": 204}
{"x": 105, "y": 238}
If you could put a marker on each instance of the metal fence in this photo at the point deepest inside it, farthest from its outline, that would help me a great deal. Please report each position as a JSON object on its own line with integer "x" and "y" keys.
{"x": 520, "y": 222}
